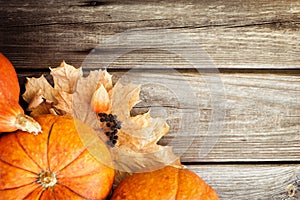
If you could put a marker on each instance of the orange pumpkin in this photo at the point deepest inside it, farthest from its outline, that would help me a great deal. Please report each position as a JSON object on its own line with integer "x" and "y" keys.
{"x": 54, "y": 164}
{"x": 166, "y": 183}
{"x": 12, "y": 115}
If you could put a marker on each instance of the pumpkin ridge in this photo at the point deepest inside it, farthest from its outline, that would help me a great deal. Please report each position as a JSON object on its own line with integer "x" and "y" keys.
{"x": 54, "y": 195}
{"x": 52, "y": 189}
{"x": 17, "y": 167}
{"x": 22, "y": 147}
{"x": 33, "y": 192}
{"x": 41, "y": 194}
{"x": 72, "y": 160}
{"x": 177, "y": 185}
{"x": 66, "y": 164}
{"x": 13, "y": 188}
{"x": 68, "y": 188}
{"x": 47, "y": 147}
{"x": 83, "y": 175}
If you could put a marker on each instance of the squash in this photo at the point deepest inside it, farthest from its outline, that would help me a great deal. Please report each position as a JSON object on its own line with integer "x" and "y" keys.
{"x": 55, "y": 164}
{"x": 165, "y": 183}
{"x": 12, "y": 115}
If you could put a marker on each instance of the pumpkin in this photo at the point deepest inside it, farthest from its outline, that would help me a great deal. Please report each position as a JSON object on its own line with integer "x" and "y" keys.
{"x": 165, "y": 183}
{"x": 12, "y": 115}
{"x": 55, "y": 164}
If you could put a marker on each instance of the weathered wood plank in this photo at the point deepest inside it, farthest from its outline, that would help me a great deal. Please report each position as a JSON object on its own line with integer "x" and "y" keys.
{"x": 243, "y": 116}
{"x": 252, "y": 116}
{"x": 235, "y": 34}
{"x": 244, "y": 182}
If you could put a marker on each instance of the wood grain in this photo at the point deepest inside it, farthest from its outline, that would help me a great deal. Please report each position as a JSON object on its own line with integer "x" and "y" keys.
{"x": 235, "y": 34}
{"x": 234, "y": 111}
{"x": 244, "y": 182}
{"x": 222, "y": 117}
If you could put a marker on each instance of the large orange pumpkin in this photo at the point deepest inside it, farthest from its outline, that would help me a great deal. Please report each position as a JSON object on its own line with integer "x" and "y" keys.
{"x": 54, "y": 164}
{"x": 165, "y": 184}
{"x": 12, "y": 115}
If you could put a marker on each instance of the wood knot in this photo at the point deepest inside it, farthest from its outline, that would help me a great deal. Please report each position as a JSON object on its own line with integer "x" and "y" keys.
{"x": 94, "y": 3}
{"x": 293, "y": 188}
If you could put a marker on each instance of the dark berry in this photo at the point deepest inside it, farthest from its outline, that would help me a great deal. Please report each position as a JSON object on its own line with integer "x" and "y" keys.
{"x": 111, "y": 137}
{"x": 110, "y": 143}
{"x": 112, "y": 125}
{"x": 111, "y": 117}
{"x": 114, "y": 132}
{"x": 118, "y": 125}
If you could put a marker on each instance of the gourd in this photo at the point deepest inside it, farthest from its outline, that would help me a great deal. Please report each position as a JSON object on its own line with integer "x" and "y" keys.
{"x": 165, "y": 183}
{"x": 12, "y": 115}
{"x": 55, "y": 164}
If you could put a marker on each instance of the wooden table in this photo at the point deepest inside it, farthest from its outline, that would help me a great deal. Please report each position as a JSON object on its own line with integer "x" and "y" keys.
{"x": 235, "y": 99}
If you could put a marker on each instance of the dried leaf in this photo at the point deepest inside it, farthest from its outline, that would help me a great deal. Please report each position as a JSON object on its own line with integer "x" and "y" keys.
{"x": 123, "y": 99}
{"x": 86, "y": 86}
{"x": 36, "y": 100}
{"x": 38, "y": 86}
{"x": 143, "y": 131}
{"x": 64, "y": 105}
{"x": 43, "y": 108}
{"x": 65, "y": 77}
{"x": 136, "y": 148}
{"x": 106, "y": 80}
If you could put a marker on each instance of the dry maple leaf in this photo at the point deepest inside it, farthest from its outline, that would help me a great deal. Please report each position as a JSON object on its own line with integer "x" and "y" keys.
{"x": 106, "y": 108}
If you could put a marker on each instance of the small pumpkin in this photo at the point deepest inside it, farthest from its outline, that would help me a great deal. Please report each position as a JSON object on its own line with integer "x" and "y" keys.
{"x": 166, "y": 183}
{"x": 55, "y": 164}
{"x": 12, "y": 115}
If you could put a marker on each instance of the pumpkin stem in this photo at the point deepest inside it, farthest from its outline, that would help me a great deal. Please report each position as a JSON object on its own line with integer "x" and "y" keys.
{"x": 26, "y": 123}
{"x": 47, "y": 179}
